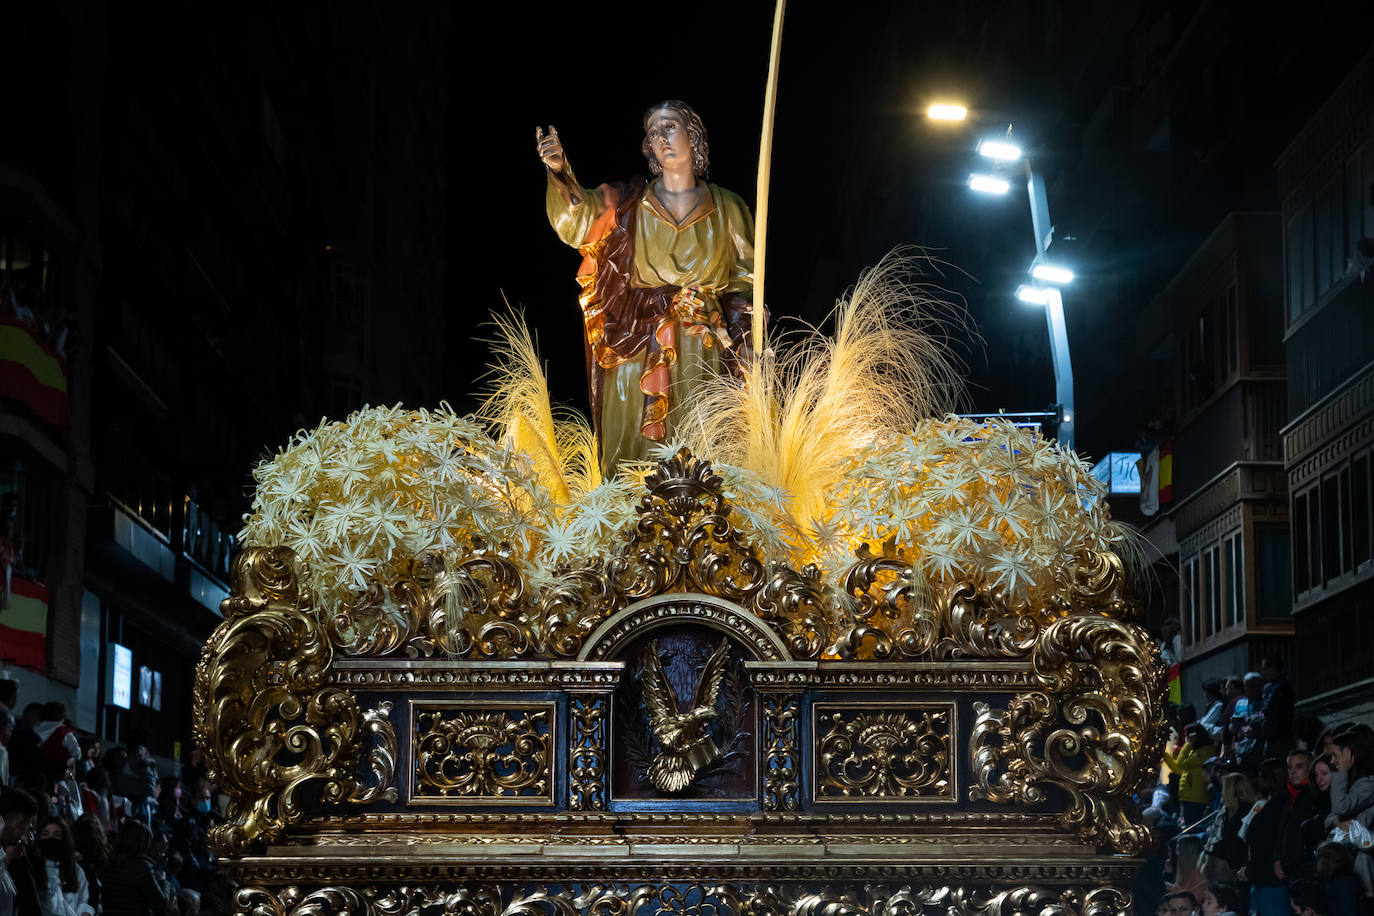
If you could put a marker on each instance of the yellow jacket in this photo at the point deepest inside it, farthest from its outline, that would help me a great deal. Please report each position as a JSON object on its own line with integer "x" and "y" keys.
{"x": 1192, "y": 779}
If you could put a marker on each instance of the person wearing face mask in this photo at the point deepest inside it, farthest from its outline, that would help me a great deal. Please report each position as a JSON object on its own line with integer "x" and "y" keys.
{"x": 62, "y": 888}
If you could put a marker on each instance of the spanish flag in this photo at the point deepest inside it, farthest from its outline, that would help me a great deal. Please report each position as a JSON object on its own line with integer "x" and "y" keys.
{"x": 24, "y": 626}
{"x": 32, "y": 373}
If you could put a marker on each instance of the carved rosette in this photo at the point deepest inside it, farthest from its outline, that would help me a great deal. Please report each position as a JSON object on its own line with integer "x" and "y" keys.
{"x": 663, "y": 899}
{"x": 1094, "y": 731}
{"x": 781, "y": 752}
{"x": 587, "y": 753}
{"x": 266, "y": 722}
{"x": 885, "y": 752}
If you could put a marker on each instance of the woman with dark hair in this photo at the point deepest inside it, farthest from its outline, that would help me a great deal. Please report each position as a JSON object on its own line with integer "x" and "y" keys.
{"x": 62, "y": 886}
{"x": 1352, "y": 793}
{"x": 1336, "y": 872}
{"x": 92, "y": 852}
{"x": 131, "y": 884}
{"x": 1268, "y": 891}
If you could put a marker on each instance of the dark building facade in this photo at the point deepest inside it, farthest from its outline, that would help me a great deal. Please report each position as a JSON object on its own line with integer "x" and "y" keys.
{"x": 1326, "y": 184}
{"x": 223, "y": 259}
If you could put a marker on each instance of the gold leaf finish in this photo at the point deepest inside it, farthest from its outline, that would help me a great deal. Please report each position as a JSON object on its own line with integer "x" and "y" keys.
{"x": 264, "y": 717}
{"x": 1094, "y": 730}
{"x": 487, "y": 753}
{"x": 687, "y": 899}
{"x": 889, "y": 752}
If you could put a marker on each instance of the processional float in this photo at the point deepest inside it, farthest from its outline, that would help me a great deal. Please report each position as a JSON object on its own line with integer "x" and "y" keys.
{"x": 816, "y": 655}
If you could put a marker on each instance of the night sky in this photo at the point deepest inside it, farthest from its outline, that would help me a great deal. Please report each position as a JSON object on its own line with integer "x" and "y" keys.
{"x": 858, "y": 170}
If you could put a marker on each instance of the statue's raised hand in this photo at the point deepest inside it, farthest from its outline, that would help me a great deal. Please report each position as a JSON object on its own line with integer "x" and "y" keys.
{"x": 551, "y": 149}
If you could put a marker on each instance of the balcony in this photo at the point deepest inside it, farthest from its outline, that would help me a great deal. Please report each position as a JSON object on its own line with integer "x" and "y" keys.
{"x": 1239, "y": 424}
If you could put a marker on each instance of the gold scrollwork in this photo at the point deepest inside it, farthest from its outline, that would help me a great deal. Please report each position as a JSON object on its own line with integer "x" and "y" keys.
{"x": 587, "y": 753}
{"x": 1094, "y": 731}
{"x": 264, "y": 717}
{"x": 781, "y": 762}
{"x": 892, "y": 754}
{"x": 480, "y": 754}
{"x": 698, "y": 899}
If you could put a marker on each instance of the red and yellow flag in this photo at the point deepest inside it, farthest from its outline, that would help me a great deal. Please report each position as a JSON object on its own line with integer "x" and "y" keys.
{"x": 24, "y": 626}
{"x": 32, "y": 373}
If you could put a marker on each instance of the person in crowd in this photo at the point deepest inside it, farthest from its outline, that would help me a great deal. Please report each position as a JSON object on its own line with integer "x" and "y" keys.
{"x": 1212, "y": 719}
{"x": 23, "y": 746}
{"x": 137, "y": 782}
{"x": 95, "y": 796}
{"x": 57, "y": 743}
{"x": 1253, "y": 702}
{"x": 1192, "y": 781}
{"x": 1309, "y": 899}
{"x": 1180, "y": 903}
{"x": 193, "y": 768}
{"x": 62, "y": 886}
{"x": 90, "y": 755}
{"x": 18, "y": 810}
{"x": 1268, "y": 889}
{"x": 6, "y": 733}
{"x": 1352, "y": 793}
{"x": 9, "y": 694}
{"x": 1249, "y": 749}
{"x": 1188, "y": 875}
{"x": 1336, "y": 873}
{"x": 188, "y": 902}
{"x": 1276, "y": 704}
{"x": 1293, "y": 857}
{"x": 131, "y": 884}
{"x": 1221, "y": 900}
{"x": 1228, "y": 850}
{"x": 92, "y": 853}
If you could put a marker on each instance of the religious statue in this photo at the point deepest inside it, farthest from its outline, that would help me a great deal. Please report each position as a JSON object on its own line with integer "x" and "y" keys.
{"x": 666, "y": 277}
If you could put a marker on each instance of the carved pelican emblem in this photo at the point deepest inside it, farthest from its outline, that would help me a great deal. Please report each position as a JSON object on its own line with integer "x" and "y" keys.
{"x": 686, "y": 745}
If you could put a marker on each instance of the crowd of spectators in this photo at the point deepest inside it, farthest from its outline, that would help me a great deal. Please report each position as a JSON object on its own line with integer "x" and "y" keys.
{"x": 19, "y": 304}
{"x": 1257, "y": 812}
{"x": 88, "y": 830}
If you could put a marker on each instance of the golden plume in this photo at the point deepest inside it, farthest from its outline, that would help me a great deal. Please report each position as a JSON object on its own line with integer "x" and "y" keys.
{"x": 817, "y": 403}
{"x": 561, "y": 444}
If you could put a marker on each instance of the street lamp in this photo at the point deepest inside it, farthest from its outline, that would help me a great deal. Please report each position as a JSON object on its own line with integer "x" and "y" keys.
{"x": 1050, "y": 276}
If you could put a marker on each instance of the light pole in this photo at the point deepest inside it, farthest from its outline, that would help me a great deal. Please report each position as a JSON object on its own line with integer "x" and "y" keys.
{"x": 1047, "y": 277}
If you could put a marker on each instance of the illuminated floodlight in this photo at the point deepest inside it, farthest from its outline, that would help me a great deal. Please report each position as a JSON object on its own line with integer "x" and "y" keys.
{"x": 947, "y": 112}
{"x": 1033, "y": 294}
{"x": 988, "y": 184}
{"x": 1000, "y": 150}
{"x": 1052, "y": 274}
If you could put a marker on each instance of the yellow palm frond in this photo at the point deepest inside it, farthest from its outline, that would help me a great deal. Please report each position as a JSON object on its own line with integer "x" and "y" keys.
{"x": 560, "y": 443}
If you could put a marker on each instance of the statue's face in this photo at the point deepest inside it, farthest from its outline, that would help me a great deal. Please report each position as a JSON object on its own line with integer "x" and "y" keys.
{"x": 668, "y": 139}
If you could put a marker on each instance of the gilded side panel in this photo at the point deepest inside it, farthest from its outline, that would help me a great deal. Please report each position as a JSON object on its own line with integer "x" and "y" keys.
{"x": 470, "y": 752}
{"x": 896, "y": 752}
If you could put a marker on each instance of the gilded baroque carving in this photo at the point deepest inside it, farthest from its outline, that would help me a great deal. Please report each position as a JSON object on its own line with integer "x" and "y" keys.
{"x": 265, "y": 718}
{"x": 695, "y": 898}
{"x": 1093, "y": 730}
{"x": 483, "y": 752}
{"x": 782, "y": 760}
{"x": 587, "y": 753}
{"x": 884, "y": 751}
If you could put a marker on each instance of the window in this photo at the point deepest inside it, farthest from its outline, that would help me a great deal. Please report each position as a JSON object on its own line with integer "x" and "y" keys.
{"x": 1301, "y": 545}
{"x": 1346, "y": 507}
{"x": 1232, "y": 356}
{"x": 1190, "y": 602}
{"x": 1210, "y": 560}
{"x": 1234, "y": 580}
{"x": 1299, "y": 241}
{"x": 1331, "y": 528}
{"x": 1360, "y": 511}
{"x": 1330, "y": 229}
{"x": 1272, "y": 583}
